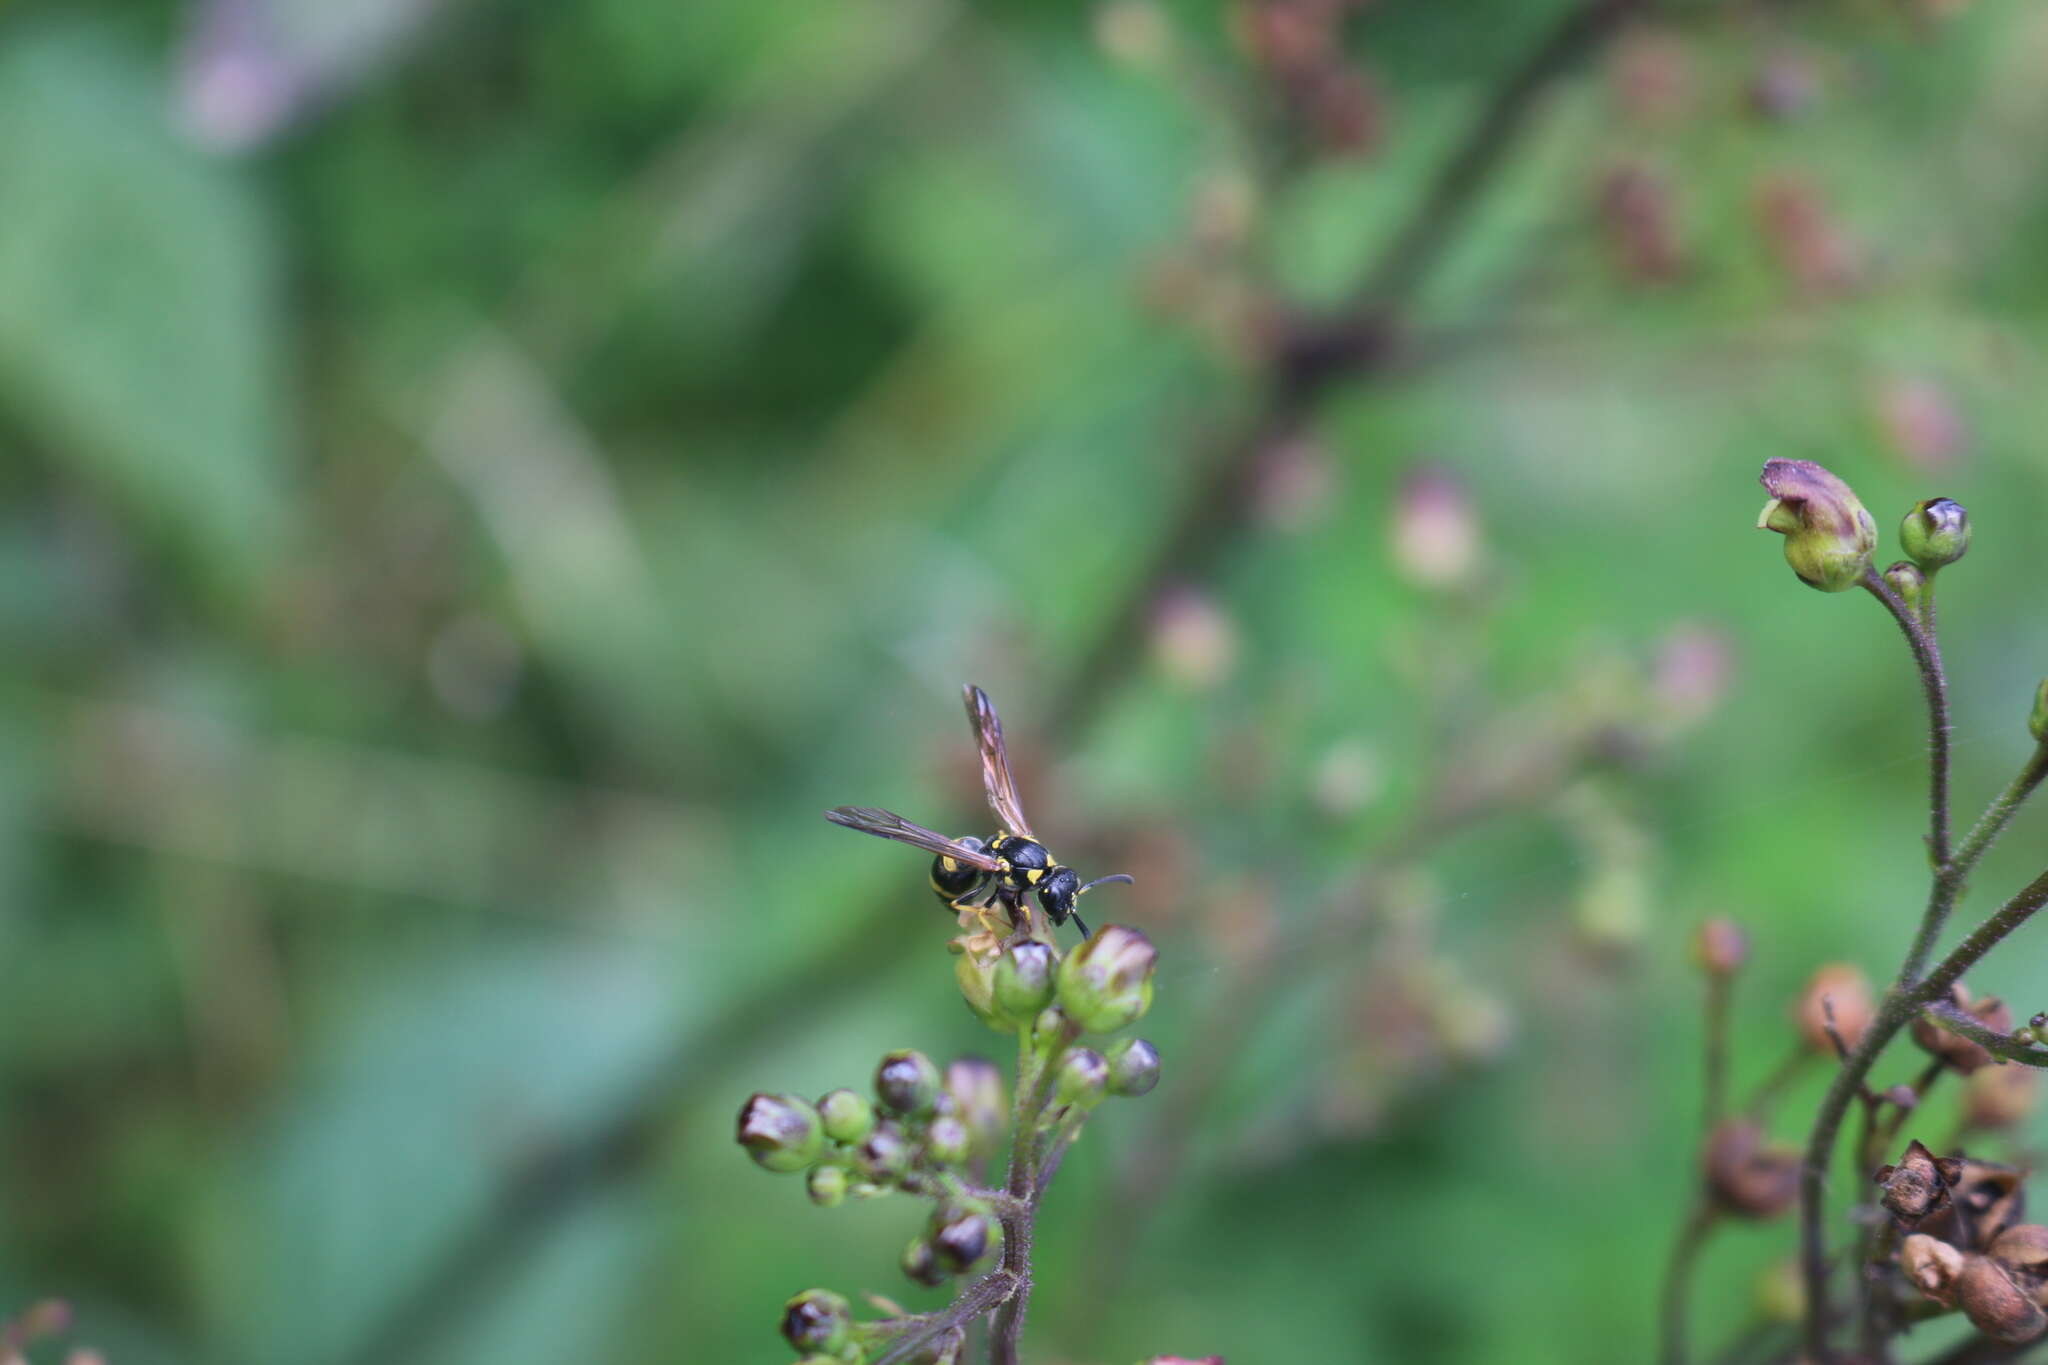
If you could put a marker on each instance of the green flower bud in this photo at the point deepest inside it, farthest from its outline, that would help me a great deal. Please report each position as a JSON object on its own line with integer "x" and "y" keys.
{"x": 1024, "y": 980}
{"x": 921, "y": 1264}
{"x": 947, "y": 1141}
{"x": 976, "y": 974}
{"x": 962, "y": 1238}
{"x": 828, "y": 1185}
{"x": 979, "y": 1097}
{"x": 1106, "y": 983}
{"x": 2037, "y": 722}
{"x": 907, "y": 1083}
{"x": 781, "y": 1132}
{"x": 1910, "y": 584}
{"x": 1935, "y": 533}
{"x": 885, "y": 1156}
{"x": 847, "y": 1115}
{"x": 1082, "y": 1079}
{"x": 1133, "y": 1067}
{"x": 817, "y": 1320}
{"x": 1828, "y": 534}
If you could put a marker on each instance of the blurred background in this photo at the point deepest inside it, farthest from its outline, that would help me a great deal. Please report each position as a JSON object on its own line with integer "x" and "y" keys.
{"x": 480, "y": 477}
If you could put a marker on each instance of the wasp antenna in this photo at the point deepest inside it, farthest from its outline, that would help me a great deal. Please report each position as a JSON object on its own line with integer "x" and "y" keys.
{"x": 1124, "y": 877}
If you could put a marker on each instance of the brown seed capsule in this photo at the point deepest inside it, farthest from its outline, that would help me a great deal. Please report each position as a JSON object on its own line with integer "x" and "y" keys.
{"x": 1984, "y": 1198}
{"x": 2000, "y": 1096}
{"x": 2023, "y": 1246}
{"x": 1747, "y": 1178}
{"x": 1995, "y": 1304}
{"x": 1958, "y": 1051}
{"x": 1918, "y": 1185}
{"x": 1842, "y": 992}
{"x": 1719, "y": 947}
{"x": 1932, "y": 1265}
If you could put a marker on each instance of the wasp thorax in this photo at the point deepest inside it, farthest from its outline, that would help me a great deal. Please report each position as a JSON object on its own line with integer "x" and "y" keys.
{"x": 1027, "y": 858}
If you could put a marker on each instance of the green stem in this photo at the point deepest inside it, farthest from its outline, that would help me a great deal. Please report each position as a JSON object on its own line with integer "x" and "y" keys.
{"x": 1927, "y": 655}
{"x": 1998, "y": 1044}
{"x": 1685, "y": 1253}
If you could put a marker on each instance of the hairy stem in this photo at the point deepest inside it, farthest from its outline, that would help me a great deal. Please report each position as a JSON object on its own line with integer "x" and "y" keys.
{"x": 1036, "y": 1061}
{"x": 1927, "y": 656}
{"x": 998, "y": 1286}
{"x": 1685, "y": 1254}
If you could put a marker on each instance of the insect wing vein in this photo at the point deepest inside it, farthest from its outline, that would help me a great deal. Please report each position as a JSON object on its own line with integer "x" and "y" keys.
{"x": 995, "y": 763}
{"x": 889, "y": 825}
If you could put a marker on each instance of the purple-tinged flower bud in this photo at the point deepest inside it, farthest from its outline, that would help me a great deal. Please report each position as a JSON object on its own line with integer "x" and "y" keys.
{"x": 975, "y": 971}
{"x": 1024, "y": 980}
{"x": 828, "y": 1185}
{"x": 1082, "y": 1079}
{"x": 1435, "y": 536}
{"x": 907, "y": 1083}
{"x": 962, "y": 1238}
{"x": 922, "y": 1265}
{"x": 1133, "y": 1067}
{"x": 1935, "y": 533}
{"x": 884, "y": 1156}
{"x": 947, "y": 1141}
{"x": 781, "y": 1132}
{"x": 817, "y": 1320}
{"x": 1745, "y": 1176}
{"x": 847, "y": 1115}
{"x": 1828, "y": 534}
{"x": 1106, "y": 983}
{"x": 1720, "y": 947}
{"x": 980, "y": 1100}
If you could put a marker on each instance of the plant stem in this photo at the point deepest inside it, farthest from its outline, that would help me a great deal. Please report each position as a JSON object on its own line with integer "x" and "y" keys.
{"x": 998, "y": 1286}
{"x": 1927, "y": 655}
{"x": 1685, "y": 1255}
{"x": 1716, "y": 1102}
{"x": 1034, "y": 1076}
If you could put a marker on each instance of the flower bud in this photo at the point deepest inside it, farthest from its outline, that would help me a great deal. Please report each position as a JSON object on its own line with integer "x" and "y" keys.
{"x": 2037, "y": 719}
{"x": 1435, "y": 536}
{"x": 1958, "y": 1051}
{"x": 1842, "y": 991}
{"x": 1931, "y": 1266}
{"x": 1720, "y": 947}
{"x": 921, "y": 1264}
{"x": 961, "y": 1238}
{"x": 828, "y": 1186}
{"x": 781, "y": 1132}
{"x": 1133, "y": 1067}
{"x": 1935, "y": 533}
{"x": 847, "y": 1115}
{"x": 817, "y": 1320}
{"x": 1106, "y": 983}
{"x": 884, "y": 1156}
{"x": 1828, "y": 534}
{"x": 1910, "y": 584}
{"x": 975, "y": 971}
{"x": 1746, "y": 1177}
{"x": 1082, "y": 1079}
{"x": 907, "y": 1083}
{"x": 975, "y": 1085}
{"x": 947, "y": 1141}
{"x": 1918, "y": 1185}
{"x": 1995, "y": 1305}
{"x": 1024, "y": 980}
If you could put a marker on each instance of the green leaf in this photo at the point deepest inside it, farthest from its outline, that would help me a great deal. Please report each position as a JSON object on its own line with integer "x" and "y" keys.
{"x": 139, "y": 329}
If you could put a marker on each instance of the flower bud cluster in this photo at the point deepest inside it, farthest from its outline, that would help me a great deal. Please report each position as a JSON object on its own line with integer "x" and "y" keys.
{"x": 1102, "y": 986}
{"x": 921, "y": 1128}
{"x": 1830, "y": 536}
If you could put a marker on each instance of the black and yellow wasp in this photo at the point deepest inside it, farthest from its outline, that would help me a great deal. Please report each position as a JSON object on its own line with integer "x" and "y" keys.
{"x": 967, "y": 873}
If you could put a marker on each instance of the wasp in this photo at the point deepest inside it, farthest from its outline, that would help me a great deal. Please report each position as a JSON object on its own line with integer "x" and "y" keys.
{"x": 969, "y": 873}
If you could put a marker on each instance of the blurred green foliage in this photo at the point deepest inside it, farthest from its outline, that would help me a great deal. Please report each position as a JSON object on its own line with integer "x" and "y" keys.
{"x": 480, "y": 478}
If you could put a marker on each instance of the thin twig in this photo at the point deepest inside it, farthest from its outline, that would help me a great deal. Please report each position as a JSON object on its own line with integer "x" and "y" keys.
{"x": 997, "y": 1287}
{"x": 1934, "y": 683}
{"x": 1685, "y": 1252}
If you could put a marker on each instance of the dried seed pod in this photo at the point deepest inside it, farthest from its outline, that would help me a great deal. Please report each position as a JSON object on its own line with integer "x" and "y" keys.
{"x": 1986, "y": 1197}
{"x": 1958, "y": 1051}
{"x": 1838, "y": 991}
{"x": 1918, "y": 1185}
{"x": 1995, "y": 1303}
{"x": 1931, "y": 1265}
{"x": 2000, "y": 1096}
{"x": 2023, "y": 1246}
{"x": 1747, "y": 1178}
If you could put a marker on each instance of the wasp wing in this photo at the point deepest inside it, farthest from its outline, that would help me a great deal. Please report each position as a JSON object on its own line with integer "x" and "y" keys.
{"x": 889, "y": 825}
{"x": 995, "y": 763}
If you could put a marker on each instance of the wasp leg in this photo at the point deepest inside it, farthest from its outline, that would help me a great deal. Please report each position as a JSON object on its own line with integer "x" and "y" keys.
{"x": 1085, "y": 935}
